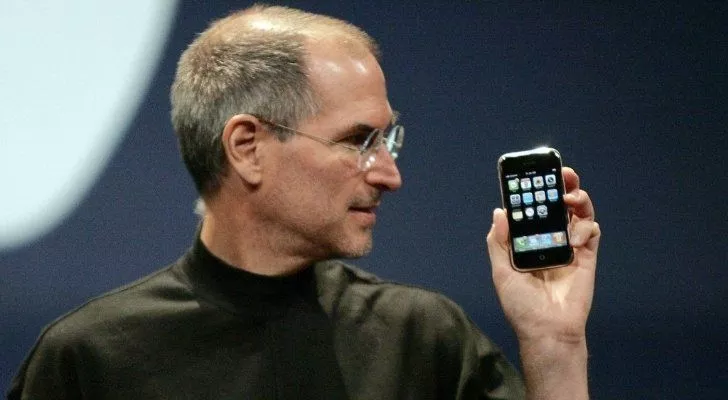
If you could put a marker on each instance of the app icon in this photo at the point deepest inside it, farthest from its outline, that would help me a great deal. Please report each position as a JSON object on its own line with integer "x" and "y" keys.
{"x": 551, "y": 180}
{"x": 528, "y": 198}
{"x": 553, "y": 194}
{"x": 529, "y": 212}
{"x": 538, "y": 182}
{"x": 533, "y": 241}
{"x": 520, "y": 243}
{"x": 540, "y": 196}
{"x": 545, "y": 240}
{"x": 559, "y": 238}
{"x": 517, "y": 215}
{"x": 542, "y": 211}
{"x": 513, "y": 185}
{"x": 515, "y": 199}
{"x": 526, "y": 183}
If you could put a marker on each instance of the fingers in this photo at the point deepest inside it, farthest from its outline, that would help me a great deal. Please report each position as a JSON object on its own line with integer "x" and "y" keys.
{"x": 583, "y": 231}
{"x": 575, "y": 198}
{"x": 498, "y": 241}
{"x": 498, "y": 235}
{"x": 595, "y": 234}
{"x": 571, "y": 179}
{"x": 580, "y": 231}
{"x": 580, "y": 204}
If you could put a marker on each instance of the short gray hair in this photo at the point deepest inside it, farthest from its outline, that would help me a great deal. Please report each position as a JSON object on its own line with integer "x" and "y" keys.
{"x": 240, "y": 66}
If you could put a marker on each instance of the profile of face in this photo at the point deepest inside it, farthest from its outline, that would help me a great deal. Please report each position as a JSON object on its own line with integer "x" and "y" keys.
{"x": 316, "y": 194}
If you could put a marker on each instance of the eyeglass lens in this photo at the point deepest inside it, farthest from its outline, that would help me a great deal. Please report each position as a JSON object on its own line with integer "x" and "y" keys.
{"x": 392, "y": 138}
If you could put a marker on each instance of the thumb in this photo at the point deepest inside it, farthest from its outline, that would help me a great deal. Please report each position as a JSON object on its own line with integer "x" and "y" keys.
{"x": 498, "y": 247}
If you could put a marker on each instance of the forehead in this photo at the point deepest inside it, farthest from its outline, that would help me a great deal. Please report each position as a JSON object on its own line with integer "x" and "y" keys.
{"x": 350, "y": 85}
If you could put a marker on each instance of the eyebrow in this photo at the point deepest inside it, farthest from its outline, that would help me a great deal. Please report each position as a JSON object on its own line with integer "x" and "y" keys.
{"x": 365, "y": 128}
{"x": 360, "y": 129}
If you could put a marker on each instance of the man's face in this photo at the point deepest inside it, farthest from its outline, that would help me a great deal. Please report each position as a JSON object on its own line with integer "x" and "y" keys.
{"x": 320, "y": 204}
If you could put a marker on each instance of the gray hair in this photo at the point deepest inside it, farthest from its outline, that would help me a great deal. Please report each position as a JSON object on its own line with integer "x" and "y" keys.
{"x": 252, "y": 62}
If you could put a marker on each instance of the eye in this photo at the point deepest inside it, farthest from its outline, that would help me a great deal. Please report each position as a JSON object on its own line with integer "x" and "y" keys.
{"x": 357, "y": 139}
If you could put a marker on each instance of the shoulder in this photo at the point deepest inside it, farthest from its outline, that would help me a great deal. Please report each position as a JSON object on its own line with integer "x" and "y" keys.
{"x": 362, "y": 293}
{"x": 415, "y": 323}
{"x": 119, "y": 309}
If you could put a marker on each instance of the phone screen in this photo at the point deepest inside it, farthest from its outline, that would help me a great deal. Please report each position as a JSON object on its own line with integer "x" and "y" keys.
{"x": 533, "y": 189}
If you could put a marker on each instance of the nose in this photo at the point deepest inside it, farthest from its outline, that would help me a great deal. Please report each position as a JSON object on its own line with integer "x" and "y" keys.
{"x": 384, "y": 173}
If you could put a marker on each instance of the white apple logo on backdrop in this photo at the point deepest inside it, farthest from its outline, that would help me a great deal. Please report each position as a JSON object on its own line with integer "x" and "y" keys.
{"x": 72, "y": 75}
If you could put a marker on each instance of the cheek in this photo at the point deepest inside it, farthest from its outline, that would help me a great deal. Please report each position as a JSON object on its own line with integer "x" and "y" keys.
{"x": 320, "y": 187}
{"x": 325, "y": 192}
{"x": 313, "y": 192}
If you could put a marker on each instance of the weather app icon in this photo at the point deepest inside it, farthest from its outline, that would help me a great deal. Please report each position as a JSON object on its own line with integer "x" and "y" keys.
{"x": 553, "y": 194}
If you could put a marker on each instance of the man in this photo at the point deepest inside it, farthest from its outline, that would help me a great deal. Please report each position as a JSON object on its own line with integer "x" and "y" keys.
{"x": 285, "y": 127}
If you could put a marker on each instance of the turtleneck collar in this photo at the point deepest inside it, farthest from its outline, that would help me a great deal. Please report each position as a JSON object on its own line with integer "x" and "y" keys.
{"x": 243, "y": 292}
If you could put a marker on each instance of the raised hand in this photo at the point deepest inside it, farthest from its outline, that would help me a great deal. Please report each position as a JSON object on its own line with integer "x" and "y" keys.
{"x": 548, "y": 309}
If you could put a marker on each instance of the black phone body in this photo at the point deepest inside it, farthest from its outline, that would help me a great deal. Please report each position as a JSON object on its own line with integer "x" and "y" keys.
{"x": 532, "y": 189}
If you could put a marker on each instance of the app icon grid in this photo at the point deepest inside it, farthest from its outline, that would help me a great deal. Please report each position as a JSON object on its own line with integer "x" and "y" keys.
{"x": 522, "y": 194}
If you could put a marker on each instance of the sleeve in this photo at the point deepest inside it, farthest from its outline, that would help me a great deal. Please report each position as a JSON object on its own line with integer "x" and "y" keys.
{"x": 480, "y": 370}
{"x": 488, "y": 375}
{"x": 49, "y": 372}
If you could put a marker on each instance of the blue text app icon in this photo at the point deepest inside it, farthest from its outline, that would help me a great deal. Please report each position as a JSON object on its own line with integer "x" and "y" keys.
{"x": 513, "y": 185}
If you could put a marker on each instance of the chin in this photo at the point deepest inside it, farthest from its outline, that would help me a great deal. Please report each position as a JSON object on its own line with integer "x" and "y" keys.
{"x": 361, "y": 252}
{"x": 356, "y": 249}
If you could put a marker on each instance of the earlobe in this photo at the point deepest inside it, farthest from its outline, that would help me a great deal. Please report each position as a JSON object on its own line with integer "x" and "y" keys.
{"x": 241, "y": 142}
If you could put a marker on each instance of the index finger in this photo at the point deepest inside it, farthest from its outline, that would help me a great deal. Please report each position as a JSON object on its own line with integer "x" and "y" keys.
{"x": 571, "y": 179}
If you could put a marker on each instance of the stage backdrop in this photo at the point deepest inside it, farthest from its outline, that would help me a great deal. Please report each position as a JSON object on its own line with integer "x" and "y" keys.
{"x": 94, "y": 194}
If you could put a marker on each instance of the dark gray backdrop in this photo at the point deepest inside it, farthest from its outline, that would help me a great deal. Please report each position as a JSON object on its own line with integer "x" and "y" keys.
{"x": 634, "y": 97}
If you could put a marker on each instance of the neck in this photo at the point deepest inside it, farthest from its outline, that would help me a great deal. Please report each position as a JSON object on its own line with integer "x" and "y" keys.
{"x": 241, "y": 243}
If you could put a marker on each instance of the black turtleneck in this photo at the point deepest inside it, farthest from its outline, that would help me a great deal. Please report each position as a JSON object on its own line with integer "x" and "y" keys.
{"x": 202, "y": 329}
{"x": 289, "y": 337}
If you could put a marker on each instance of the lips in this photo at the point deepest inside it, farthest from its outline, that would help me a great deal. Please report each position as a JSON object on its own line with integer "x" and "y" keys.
{"x": 366, "y": 204}
{"x": 369, "y": 209}
{"x": 365, "y": 213}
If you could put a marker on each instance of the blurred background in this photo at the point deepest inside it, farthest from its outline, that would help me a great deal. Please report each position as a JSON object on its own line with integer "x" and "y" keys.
{"x": 94, "y": 194}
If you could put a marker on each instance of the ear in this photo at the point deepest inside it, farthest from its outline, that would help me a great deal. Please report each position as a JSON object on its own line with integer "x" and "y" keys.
{"x": 241, "y": 140}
